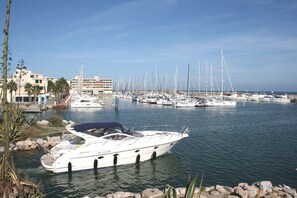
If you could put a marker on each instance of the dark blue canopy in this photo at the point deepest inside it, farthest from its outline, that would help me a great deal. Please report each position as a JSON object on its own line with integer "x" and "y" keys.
{"x": 97, "y": 125}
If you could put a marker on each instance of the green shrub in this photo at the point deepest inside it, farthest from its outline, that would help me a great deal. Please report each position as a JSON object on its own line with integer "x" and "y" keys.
{"x": 170, "y": 191}
{"x": 56, "y": 121}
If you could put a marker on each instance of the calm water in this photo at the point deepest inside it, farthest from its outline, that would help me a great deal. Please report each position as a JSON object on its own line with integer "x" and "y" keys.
{"x": 248, "y": 143}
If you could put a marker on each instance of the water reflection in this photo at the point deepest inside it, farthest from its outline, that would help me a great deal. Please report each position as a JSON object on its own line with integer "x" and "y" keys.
{"x": 132, "y": 177}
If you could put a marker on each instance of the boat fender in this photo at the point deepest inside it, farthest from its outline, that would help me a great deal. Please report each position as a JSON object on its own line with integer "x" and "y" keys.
{"x": 138, "y": 159}
{"x": 95, "y": 164}
{"x": 115, "y": 159}
{"x": 69, "y": 167}
{"x": 154, "y": 155}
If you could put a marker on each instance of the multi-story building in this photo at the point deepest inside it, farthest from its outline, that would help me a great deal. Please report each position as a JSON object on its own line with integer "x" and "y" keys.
{"x": 21, "y": 77}
{"x": 93, "y": 86}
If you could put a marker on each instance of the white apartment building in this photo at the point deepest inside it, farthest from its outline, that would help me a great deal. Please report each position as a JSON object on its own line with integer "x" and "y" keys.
{"x": 93, "y": 86}
{"x": 21, "y": 77}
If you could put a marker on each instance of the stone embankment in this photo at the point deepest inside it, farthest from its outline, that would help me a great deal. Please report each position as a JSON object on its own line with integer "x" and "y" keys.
{"x": 31, "y": 144}
{"x": 39, "y": 143}
{"x": 242, "y": 190}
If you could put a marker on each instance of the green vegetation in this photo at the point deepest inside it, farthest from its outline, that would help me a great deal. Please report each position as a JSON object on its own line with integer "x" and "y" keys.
{"x": 15, "y": 124}
{"x": 10, "y": 183}
{"x": 38, "y": 131}
{"x": 12, "y": 86}
{"x": 28, "y": 89}
{"x": 170, "y": 191}
{"x": 56, "y": 121}
{"x": 61, "y": 88}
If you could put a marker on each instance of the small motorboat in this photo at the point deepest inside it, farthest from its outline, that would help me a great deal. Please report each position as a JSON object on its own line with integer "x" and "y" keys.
{"x": 104, "y": 144}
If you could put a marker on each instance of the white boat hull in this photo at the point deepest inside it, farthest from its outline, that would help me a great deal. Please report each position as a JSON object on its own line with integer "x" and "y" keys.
{"x": 106, "y": 153}
{"x": 86, "y": 105}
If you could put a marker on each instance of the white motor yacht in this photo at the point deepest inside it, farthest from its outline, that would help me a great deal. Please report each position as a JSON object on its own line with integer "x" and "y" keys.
{"x": 85, "y": 103}
{"x": 99, "y": 145}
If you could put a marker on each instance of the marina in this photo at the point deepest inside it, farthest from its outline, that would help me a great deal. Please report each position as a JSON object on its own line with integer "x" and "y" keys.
{"x": 152, "y": 110}
{"x": 246, "y": 143}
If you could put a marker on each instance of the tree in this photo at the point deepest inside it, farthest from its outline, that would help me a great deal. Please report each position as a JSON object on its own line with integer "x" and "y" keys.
{"x": 29, "y": 89}
{"x": 9, "y": 179}
{"x": 12, "y": 86}
{"x": 36, "y": 89}
{"x": 6, "y": 162}
{"x": 61, "y": 88}
{"x": 50, "y": 86}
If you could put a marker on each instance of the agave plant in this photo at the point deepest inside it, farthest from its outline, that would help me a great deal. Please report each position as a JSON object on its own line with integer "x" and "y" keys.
{"x": 10, "y": 184}
{"x": 15, "y": 124}
{"x": 170, "y": 191}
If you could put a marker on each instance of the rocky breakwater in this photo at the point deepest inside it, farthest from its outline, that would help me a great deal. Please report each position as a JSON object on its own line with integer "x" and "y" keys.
{"x": 39, "y": 143}
{"x": 242, "y": 190}
{"x": 31, "y": 144}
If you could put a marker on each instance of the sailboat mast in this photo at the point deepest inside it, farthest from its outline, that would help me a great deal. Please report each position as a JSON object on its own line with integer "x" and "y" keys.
{"x": 222, "y": 64}
{"x": 188, "y": 80}
{"x": 175, "y": 79}
{"x": 199, "y": 78}
{"x": 206, "y": 78}
{"x": 211, "y": 82}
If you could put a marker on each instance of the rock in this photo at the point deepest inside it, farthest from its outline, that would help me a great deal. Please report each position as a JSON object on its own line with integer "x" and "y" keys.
{"x": 137, "y": 195}
{"x": 207, "y": 189}
{"x": 43, "y": 122}
{"x": 232, "y": 196}
{"x": 266, "y": 186}
{"x": 280, "y": 193}
{"x": 276, "y": 188}
{"x": 214, "y": 192}
{"x": 40, "y": 141}
{"x": 28, "y": 142}
{"x": 224, "y": 189}
{"x": 260, "y": 193}
{"x": 152, "y": 193}
{"x": 1, "y": 149}
{"x": 65, "y": 122}
{"x": 252, "y": 191}
{"x": 286, "y": 187}
{"x": 53, "y": 141}
{"x": 243, "y": 185}
{"x": 181, "y": 192}
{"x": 240, "y": 192}
{"x": 287, "y": 195}
{"x": 11, "y": 145}
{"x": 196, "y": 191}
{"x": 205, "y": 195}
{"x": 33, "y": 146}
{"x": 120, "y": 195}
{"x": 291, "y": 192}
{"x": 271, "y": 196}
{"x": 20, "y": 145}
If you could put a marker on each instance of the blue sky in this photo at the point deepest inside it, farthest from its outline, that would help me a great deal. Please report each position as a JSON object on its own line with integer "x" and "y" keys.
{"x": 124, "y": 39}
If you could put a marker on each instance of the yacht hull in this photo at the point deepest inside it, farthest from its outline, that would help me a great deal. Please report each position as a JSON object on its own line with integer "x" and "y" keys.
{"x": 105, "y": 153}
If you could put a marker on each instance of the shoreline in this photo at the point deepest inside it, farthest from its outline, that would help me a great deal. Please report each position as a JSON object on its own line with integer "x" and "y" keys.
{"x": 242, "y": 190}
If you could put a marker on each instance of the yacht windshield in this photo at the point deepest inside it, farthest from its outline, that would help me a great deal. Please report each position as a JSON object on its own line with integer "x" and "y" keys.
{"x": 77, "y": 140}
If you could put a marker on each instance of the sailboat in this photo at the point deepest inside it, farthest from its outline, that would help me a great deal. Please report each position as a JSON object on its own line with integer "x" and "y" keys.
{"x": 80, "y": 100}
{"x": 186, "y": 102}
{"x": 221, "y": 100}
